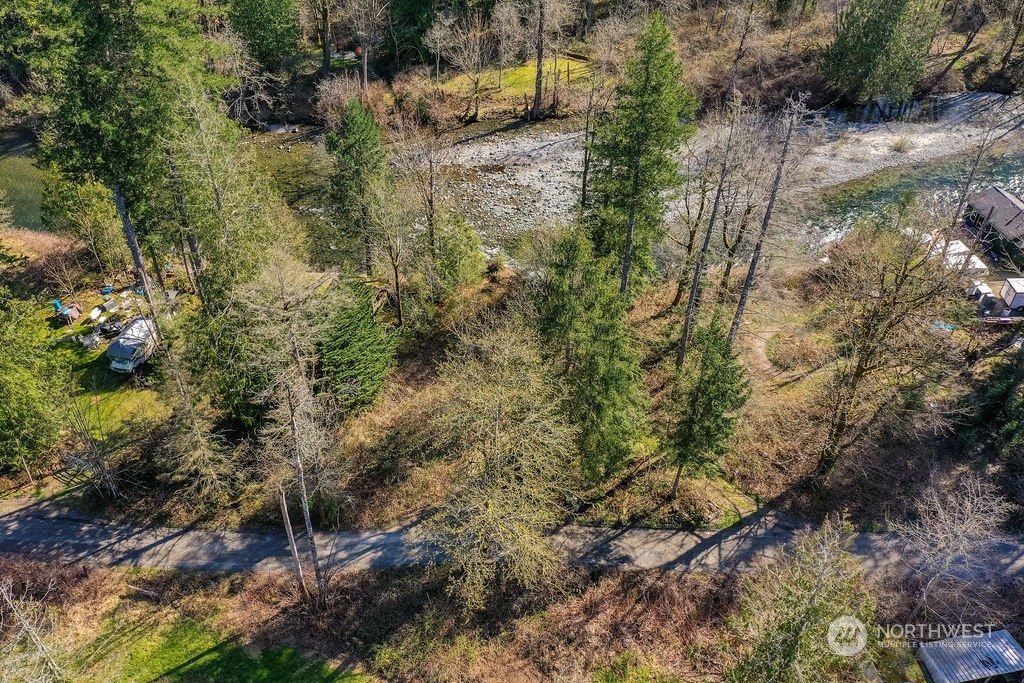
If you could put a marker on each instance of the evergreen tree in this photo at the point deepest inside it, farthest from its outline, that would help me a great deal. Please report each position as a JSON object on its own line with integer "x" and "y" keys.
{"x": 459, "y": 259}
{"x": 880, "y": 48}
{"x": 583, "y": 319}
{"x": 115, "y": 106}
{"x": 357, "y": 353}
{"x": 710, "y": 389}
{"x": 30, "y": 377}
{"x": 632, "y": 153}
{"x": 359, "y": 161}
{"x": 34, "y": 43}
{"x": 789, "y": 607}
{"x": 270, "y": 29}
{"x": 226, "y": 215}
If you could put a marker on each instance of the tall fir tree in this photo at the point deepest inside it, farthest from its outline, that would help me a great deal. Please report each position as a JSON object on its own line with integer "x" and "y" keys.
{"x": 632, "y": 154}
{"x": 710, "y": 389}
{"x": 31, "y": 385}
{"x": 880, "y": 48}
{"x": 357, "y": 353}
{"x": 583, "y": 319}
{"x": 115, "y": 104}
{"x": 359, "y": 161}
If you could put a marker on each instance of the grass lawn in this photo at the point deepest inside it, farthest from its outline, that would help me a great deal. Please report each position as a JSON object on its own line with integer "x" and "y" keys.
{"x": 20, "y": 179}
{"x": 517, "y": 82}
{"x": 188, "y": 650}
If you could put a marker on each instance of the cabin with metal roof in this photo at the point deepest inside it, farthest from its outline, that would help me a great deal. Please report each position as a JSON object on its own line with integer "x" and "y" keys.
{"x": 985, "y": 658}
{"x": 996, "y": 213}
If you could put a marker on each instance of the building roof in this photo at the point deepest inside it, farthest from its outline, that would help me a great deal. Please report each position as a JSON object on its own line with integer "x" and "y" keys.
{"x": 1002, "y": 209}
{"x": 972, "y": 658}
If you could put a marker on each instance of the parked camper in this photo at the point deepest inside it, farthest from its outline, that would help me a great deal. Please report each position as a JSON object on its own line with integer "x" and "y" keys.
{"x": 133, "y": 346}
{"x": 1012, "y": 293}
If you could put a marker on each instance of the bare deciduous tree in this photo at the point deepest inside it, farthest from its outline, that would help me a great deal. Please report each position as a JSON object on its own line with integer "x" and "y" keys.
{"x": 368, "y": 19}
{"x": 469, "y": 49}
{"x": 252, "y": 84}
{"x": 502, "y": 422}
{"x": 63, "y": 272}
{"x": 323, "y": 12}
{"x": 438, "y": 37}
{"x": 299, "y": 425}
{"x": 952, "y": 548}
{"x": 884, "y": 288}
{"x": 421, "y": 160}
{"x": 391, "y": 229}
{"x": 29, "y": 655}
{"x": 610, "y": 44}
{"x": 508, "y": 34}
{"x": 784, "y": 131}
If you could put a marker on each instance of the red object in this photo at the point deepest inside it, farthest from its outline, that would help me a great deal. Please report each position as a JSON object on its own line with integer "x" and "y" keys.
{"x": 359, "y": 51}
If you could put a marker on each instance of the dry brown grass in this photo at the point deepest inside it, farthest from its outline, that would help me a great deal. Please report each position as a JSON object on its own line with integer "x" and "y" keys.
{"x": 34, "y": 244}
{"x": 403, "y": 622}
{"x": 778, "y": 63}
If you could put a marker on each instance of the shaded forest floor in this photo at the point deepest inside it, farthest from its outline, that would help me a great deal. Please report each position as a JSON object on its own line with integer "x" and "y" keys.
{"x": 121, "y": 625}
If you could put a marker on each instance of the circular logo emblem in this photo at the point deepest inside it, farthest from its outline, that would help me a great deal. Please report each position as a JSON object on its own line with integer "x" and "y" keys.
{"x": 847, "y": 636}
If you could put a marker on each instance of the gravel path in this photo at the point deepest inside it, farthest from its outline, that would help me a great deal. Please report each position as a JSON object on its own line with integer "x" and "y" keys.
{"x": 513, "y": 181}
{"x": 46, "y": 530}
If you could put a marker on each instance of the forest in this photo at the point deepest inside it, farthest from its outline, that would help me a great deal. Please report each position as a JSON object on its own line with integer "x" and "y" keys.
{"x": 510, "y": 340}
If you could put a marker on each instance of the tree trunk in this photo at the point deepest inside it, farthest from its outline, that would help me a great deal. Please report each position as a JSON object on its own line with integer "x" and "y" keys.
{"x": 321, "y": 585}
{"x": 949, "y": 65}
{"x": 325, "y": 42}
{"x": 538, "y": 93}
{"x": 133, "y": 246}
{"x": 840, "y": 423}
{"x": 693, "y": 303}
{"x": 731, "y": 249}
{"x": 675, "y": 482}
{"x": 193, "y": 259}
{"x": 398, "y": 292}
{"x": 681, "y": 281}
{"x": 627, "y": 259}
{"x": 748, "y": 283}
{"x": 431, "y": 208}
{"x": 1019, "y": 26}
{"x": 299, "y": 578}
{"x": 366, "y": 67}
{"x": 554, "y": 87}
{"x": 740, "y": 51}
{"x": 197, "y": 268}
{"x": 154, "y": 257}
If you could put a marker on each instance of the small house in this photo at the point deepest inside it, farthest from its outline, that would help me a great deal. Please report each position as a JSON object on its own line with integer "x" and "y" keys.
{"x": 996, "y": 213}
{"x": 133, "y": 346}
{"x": 993, "y": 657}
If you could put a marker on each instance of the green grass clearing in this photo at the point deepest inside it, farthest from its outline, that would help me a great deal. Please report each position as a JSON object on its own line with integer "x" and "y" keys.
{"x": 519, "y": 81}
{"x": 20, "y": 179}
{"x": 190, "y": 651}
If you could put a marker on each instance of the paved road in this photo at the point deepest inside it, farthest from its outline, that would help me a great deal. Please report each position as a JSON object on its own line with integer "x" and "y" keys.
{"x": 42, "y": 529}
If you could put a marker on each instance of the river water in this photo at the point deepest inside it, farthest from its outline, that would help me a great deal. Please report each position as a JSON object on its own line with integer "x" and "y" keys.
{"x": 938, "y": 184}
